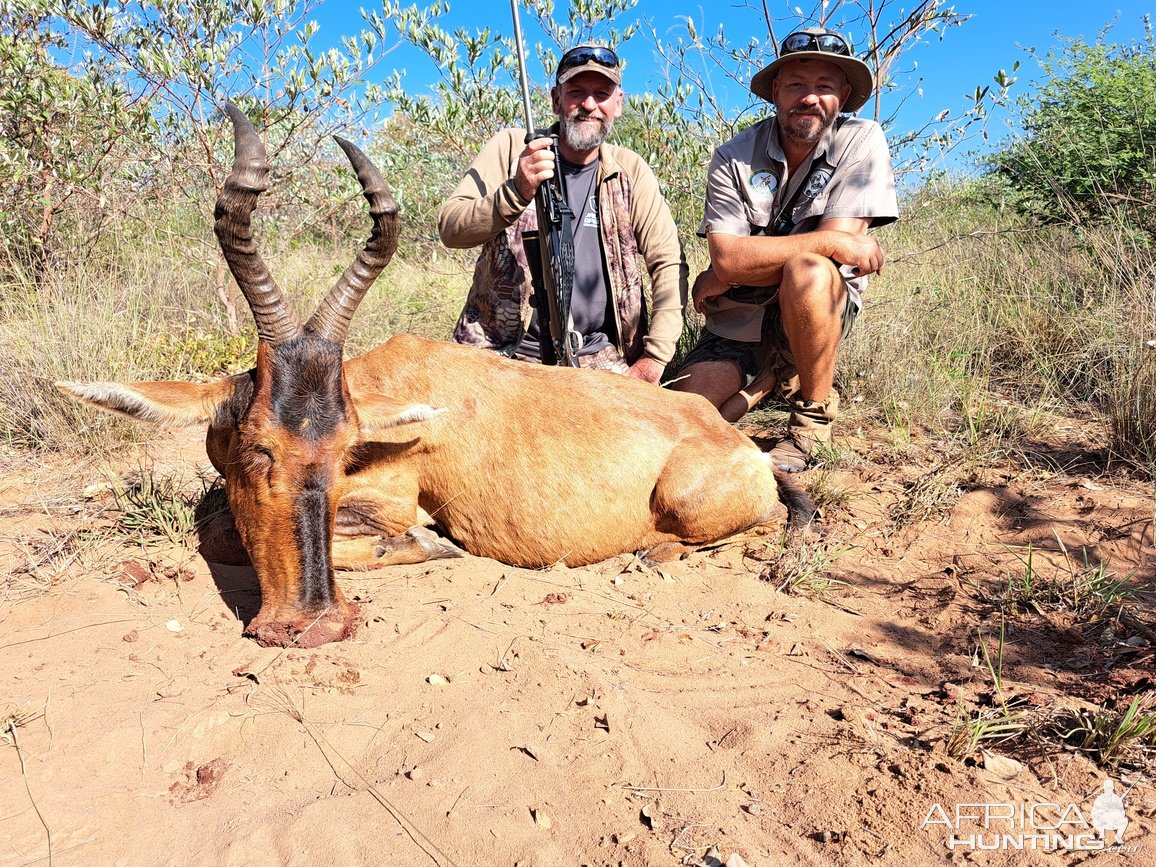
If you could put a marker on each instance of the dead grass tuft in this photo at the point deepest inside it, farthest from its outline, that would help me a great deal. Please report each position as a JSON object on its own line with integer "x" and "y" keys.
{"x": 1113, "y": 738}
{"x": 930, "y": 496}
{"x": 802, "y": 568}
{"x": 831, "y": 496}
{"x": 17, "y": 716}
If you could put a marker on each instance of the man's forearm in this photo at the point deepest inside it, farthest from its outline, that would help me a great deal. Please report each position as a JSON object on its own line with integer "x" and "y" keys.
{"x": 469, "y": 220}
{"x": 661, "y": 340}
{"x": 758, "y": 260}
{"x": 668, "y": 298}
{"x": 486, "y": 200}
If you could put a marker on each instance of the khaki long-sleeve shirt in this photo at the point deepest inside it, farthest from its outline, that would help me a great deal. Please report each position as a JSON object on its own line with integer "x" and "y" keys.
{"x": 486, "y": 209}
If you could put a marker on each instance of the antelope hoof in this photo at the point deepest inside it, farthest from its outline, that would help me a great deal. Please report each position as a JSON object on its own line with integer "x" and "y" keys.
{"x": 305, "y": 630}
{"x": 415, "y": 545}
{"x": 437, "y": 547}
{"x": 664, "y": 552}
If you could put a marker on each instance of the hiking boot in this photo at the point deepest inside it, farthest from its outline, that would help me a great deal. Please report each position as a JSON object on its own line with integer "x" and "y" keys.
{"x": 808, "y": 431}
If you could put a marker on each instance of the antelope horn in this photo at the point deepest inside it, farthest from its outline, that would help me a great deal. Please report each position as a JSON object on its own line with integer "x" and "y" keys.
{"x": 336, "y": 311}
{"x": 276, "y": 321}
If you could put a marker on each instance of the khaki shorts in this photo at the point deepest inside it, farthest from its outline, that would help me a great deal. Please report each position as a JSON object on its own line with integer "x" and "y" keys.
{"x": 771, "y": 354}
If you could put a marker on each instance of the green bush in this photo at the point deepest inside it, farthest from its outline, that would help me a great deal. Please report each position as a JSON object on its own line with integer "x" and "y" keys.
{"x": 65, "y": 137}
{"x": 1089, "y": 144}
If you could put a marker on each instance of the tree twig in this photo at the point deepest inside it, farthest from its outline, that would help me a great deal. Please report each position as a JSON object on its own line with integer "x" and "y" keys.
{"x": 24, "y": 773}
{"x": 663, "y": 789}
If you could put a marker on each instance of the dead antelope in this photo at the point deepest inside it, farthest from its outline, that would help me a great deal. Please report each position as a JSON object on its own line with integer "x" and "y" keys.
{"x": 338, "y": 465}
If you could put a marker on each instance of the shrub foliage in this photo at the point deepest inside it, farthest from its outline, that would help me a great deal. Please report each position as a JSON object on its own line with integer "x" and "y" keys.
{"x": 1089, "y": 145}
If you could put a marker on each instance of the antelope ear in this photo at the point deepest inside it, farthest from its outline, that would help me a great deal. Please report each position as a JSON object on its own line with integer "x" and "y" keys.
{"x": 378, "y": 413}
{"x": 172, "y": 402}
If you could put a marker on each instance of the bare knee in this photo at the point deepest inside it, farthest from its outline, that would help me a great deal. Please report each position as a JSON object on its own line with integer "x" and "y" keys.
{"x": 813, "y": 283}
{"x": 809, "y": 268}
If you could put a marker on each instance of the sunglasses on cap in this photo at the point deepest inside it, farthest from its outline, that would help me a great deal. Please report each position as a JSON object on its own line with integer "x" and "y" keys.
{"x": 832, "y": 43}
{"x": 584, "y": 54}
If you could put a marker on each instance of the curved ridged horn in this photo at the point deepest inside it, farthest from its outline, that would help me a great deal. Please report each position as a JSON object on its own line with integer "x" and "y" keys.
{"x": 276, "y": 321}
{"x": 336, "y": 311}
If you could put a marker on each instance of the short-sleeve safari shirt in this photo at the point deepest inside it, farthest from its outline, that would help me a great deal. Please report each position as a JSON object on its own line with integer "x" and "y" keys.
{"x": 848, "y": 174}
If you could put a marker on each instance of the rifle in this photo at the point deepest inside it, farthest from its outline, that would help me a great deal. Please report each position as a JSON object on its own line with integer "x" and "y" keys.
{"x": 549, "y": 250}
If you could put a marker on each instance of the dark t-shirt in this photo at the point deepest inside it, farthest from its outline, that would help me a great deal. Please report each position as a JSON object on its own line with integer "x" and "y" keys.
{"x": 591, "y": 297}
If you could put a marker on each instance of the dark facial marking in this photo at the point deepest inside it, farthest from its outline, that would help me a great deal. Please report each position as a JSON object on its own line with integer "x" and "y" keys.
{"x": 307, "y": 397}
{"x": 311, "y": 526}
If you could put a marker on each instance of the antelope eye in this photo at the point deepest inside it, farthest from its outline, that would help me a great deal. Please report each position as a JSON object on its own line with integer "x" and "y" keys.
{"x": 261, "y": 455}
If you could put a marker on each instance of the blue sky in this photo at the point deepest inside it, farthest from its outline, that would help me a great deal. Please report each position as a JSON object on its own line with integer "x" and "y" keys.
{"x": 998, "y": 34}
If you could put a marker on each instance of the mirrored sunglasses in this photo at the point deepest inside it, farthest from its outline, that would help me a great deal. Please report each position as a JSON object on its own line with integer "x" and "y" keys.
{"x": 832, "y": 43}
{"x": 584, "y": 54}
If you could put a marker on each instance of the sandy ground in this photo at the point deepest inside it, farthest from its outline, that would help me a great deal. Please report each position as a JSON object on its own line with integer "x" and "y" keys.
{"x": 612, "y": 715}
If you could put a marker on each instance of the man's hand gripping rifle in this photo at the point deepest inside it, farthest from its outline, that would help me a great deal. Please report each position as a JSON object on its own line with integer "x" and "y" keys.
{"x": 550, "y": 251}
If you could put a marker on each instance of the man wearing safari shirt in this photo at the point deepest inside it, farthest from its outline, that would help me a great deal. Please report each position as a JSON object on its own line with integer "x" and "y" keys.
{"x": 788, "y": 205}
{"x": 619, "y": 216}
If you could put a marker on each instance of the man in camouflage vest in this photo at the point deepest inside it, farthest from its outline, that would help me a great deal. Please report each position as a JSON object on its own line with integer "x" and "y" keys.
{"x": 619, "y": 216}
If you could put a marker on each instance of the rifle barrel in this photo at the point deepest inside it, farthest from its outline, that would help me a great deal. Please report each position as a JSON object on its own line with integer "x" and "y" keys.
{"x": 555, "y": 243}
{"x": 522, "y": 69}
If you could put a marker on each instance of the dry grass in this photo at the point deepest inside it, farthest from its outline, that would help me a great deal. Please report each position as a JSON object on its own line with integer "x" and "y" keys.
{"x": 984, "y": 728}
{"x": 39, "y": 563}
{"x": 931, "y": 496}
{"x": 1118, "y": 734}
{"x": 70, "y": 538}
{"x": 1134, "y": 403}
{"x": 153, "y": 507}
{"x": 831, "y": 496}
{"x": 1090, "y": 590}
{"x": 17, "y": 716}
{"x": 153, "y": 316}
{"x": 982, "y": 328}
{"x": 1114, "y": 738}
{"x": 803, "y": 567}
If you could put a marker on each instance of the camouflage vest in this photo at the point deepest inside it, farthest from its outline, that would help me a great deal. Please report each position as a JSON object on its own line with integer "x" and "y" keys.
{"x": 497, "y": 308}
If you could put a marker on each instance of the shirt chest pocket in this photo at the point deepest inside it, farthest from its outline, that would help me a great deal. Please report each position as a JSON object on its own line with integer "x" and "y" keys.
{"x": 810, "y": 207}
{"x": 758, "y": 218}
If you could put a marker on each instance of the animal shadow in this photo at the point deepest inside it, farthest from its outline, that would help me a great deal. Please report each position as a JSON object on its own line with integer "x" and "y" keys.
{"x": 219, "y": 543}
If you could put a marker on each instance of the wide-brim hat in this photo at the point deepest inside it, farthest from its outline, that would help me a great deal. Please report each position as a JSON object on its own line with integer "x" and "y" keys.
{"x": 858, "y": 73}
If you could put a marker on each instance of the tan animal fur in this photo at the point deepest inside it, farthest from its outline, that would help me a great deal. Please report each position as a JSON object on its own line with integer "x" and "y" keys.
{"x": 331, "y": 465}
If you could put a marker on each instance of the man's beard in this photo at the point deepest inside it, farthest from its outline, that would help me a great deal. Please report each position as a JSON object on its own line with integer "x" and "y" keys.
{"x": 807, "y": 126}
{"x": 580, "y": 135}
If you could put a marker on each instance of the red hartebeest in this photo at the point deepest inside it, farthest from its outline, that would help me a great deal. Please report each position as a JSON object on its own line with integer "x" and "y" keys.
{"x": 339, "y": 465}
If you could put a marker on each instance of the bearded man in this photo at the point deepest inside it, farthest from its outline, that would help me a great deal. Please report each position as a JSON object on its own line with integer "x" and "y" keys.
{"x": 788, "y": 205}
{"x": 619, "y": 217}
